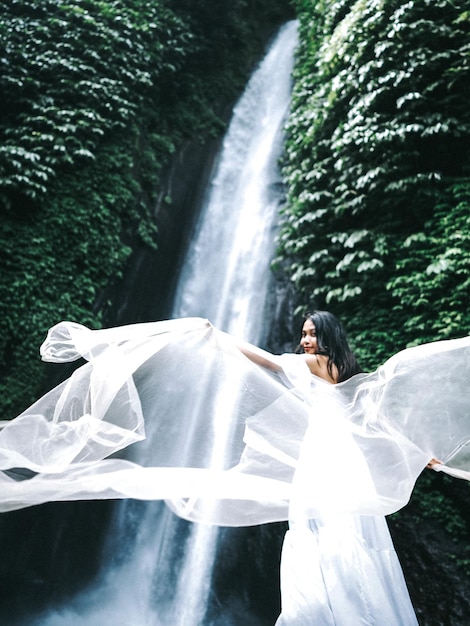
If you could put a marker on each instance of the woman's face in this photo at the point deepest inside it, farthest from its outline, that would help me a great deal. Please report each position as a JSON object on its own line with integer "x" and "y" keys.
{"x": 308, "y": 340}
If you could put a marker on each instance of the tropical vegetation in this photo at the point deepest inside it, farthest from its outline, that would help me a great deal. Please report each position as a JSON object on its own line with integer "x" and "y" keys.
{"x": 378, "y": 170}
{"x": 97, "y": 98}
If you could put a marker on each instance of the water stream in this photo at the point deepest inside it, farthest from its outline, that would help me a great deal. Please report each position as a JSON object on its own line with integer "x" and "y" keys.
{"x": 158, "y": 567}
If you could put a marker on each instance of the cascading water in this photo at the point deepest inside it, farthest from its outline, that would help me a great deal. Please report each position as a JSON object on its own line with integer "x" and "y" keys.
{"x": 159, "y": 567}
{"x": 226, "y": 274}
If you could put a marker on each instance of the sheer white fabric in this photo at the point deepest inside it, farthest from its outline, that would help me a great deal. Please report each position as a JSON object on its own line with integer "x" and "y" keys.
{"x": 172, "y": 410}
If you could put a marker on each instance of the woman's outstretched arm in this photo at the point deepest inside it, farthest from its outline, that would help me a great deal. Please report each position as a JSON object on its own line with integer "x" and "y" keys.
{"x": 260, "y": 357}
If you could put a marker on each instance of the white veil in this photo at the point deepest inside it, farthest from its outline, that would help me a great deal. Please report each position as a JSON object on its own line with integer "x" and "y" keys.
{"x": 173, "y": 410}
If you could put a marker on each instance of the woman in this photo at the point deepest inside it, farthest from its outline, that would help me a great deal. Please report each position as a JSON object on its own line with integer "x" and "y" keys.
{"x": 339, "y": 569}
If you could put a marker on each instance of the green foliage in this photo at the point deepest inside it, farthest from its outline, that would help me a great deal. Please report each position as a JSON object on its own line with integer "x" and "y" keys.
{"x": 75, "y": 189}
{"x": 432, "y": 281}
{"x": 71, "y": 73}
{"x": 376, "y": 158}
{"x": 97, "y": 96}
{"x": 70, "y": 255}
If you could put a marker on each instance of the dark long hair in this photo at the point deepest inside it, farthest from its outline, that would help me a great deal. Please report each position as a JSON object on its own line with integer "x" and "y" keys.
{"x": 332, "y": 342}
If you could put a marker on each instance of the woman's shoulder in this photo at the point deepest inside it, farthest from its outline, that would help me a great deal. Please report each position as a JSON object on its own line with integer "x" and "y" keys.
{"x": 319, "y": 365}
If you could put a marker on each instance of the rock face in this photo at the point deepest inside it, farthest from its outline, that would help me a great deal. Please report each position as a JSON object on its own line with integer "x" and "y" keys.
{"x": 48, "y": 552}
{"x": 431, "y": 539}
{"x": 146, "y": 288}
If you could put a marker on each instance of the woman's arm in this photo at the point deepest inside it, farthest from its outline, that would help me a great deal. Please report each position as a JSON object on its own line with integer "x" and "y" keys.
{"x": 258, "y": 356}
{"x": 317, "y": 363}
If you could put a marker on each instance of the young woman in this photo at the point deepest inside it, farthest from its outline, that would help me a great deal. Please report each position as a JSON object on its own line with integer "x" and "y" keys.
{"x": 339, "y": 569}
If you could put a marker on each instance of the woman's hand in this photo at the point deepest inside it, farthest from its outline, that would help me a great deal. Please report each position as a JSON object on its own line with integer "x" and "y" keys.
{"x": 433, "y": 462}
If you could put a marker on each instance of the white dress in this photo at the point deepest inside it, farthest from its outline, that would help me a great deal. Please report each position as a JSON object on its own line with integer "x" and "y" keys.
{"x": 172, "y": 410}
{"x": 343, "y": 571}
{"x": 337, "y": 569}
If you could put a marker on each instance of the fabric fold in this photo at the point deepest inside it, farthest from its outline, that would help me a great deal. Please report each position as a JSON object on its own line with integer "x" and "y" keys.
{"x": 173, "y": 410}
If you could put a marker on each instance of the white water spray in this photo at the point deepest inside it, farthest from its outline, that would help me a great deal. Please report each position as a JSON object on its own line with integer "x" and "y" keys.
{"x": 226, "y": 275}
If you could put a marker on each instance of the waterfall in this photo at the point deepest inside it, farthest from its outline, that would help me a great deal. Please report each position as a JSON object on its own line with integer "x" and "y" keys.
{"x": 159, "y": 567}
{"x": 226, "y": 273}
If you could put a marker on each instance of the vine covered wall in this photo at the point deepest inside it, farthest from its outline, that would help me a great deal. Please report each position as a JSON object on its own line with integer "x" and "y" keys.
{"x": 97, "y": 98}
{"x": 377, "y": 169}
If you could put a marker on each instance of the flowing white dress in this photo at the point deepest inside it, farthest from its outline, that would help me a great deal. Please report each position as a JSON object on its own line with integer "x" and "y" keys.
{"x": 172, "y": 410}
{"x": 337, "y": 569}
{"x": 343, "y": 570}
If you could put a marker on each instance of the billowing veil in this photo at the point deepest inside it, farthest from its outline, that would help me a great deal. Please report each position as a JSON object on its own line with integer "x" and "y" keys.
{"x": 173, "y": 410}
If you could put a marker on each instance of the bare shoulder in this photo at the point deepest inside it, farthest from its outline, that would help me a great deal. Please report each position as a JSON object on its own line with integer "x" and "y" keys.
{"x": 318, "y": 365}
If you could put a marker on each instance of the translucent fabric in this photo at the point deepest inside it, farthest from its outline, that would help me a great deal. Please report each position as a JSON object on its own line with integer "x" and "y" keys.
{"x": 173, "y": 410}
